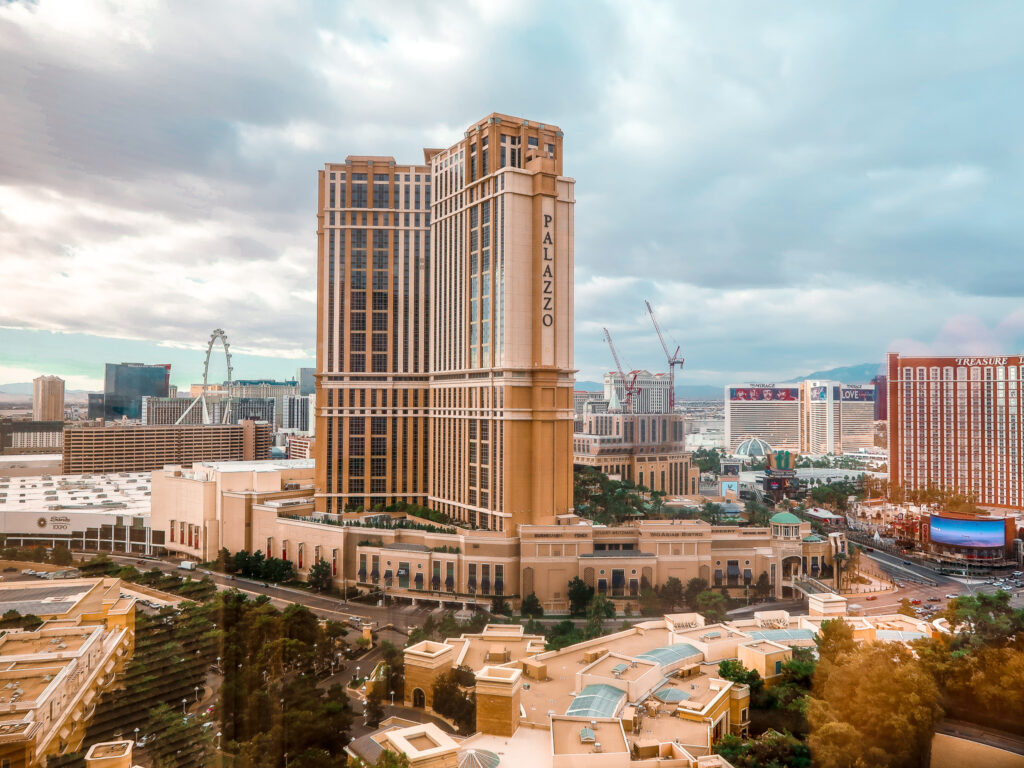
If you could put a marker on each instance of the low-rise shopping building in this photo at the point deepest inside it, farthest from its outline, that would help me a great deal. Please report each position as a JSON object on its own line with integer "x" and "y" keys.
{"x": 97, "y": 512}
{"x": 268, "y": 506}
{"x": 51, "y": 678}
{"x": 648, "y": 693}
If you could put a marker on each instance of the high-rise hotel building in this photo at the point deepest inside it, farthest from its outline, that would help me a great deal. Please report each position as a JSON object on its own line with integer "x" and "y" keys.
{"x": 955, "y": 423}
{"x": 444, "y": 372}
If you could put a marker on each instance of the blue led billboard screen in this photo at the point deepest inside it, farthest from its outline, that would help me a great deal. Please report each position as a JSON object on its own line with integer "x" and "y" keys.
{"x": 968, "y": 533}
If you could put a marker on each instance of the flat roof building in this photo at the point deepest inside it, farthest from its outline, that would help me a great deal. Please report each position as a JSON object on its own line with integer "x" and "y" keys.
{"x": 108, "y": 513}
{"x": 269, "y": 506}
{"x": 652, "y": 390}
{"x": 25, "y": 437}
{"x": 51, "y": 677}
{"x": 954, "y": 423}
{"x": 124, "y": 386}
{"x": 649, "y": 692}
{"x": 88, "y": 450}
{"x": 445, "y": 329}
{"x": 48, "y": 398}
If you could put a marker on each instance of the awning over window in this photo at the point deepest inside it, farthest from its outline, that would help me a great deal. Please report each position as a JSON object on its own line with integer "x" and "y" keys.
{"x": 618, "y": 579}
{"x": 419, "y": 579}
{"x": 733, "y": 570}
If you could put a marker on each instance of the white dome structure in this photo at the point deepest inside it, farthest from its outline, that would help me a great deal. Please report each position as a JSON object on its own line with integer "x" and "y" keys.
{"x": 752, "y": 448}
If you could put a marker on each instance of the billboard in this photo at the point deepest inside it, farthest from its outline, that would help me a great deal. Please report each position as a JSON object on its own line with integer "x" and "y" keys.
{"x": 770, "y": 393}
{"x": 819, "y": 393}
{"x": 860, "y": 395}
{"x": 967, "y": 533}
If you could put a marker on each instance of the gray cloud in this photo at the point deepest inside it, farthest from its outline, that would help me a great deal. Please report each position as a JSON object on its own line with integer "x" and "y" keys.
{"x": 794, "y": 189}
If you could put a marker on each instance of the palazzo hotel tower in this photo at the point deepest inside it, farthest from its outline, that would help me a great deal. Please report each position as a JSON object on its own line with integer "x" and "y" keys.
{"x": 444, "y": 329}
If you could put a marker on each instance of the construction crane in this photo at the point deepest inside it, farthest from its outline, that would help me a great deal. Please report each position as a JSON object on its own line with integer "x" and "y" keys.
{"x": 674, "y": 359}
{"x": 630, "y": 385}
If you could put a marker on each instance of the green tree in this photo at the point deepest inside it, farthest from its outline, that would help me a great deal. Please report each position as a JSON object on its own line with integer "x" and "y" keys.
{"x": 374, "y": 706}
{"x": 320, "y": 577}
{"x": 599, "y": 609}
{"x": 500, "y": 606}
{"x": 763, "y": 587}
{"x": 984, "y": 619}
{"x": 452, "y": 701}
{"x": 562, "y": 634}
{"x": 708, "y": 460}
{"x": 672, "y": 594}
{"x": 769, "y": 750}
{"x": 531, "y": 606}
{"x": 580, "y": 595}
{"x": 177, "y": 741}
{"x": 224, "y": 562}
{"x": 757, "y": 513}
{"x": 61, "y": 555}
{"x": 693, "y": 588}
{"x": 732, "y": 669}
{"x": 389, "y": 759}
{"x": 906, "y": 608}
{"x": 834, "y": 640}
{"x": 712, "y": 606}
{"x": 878, "y": 706}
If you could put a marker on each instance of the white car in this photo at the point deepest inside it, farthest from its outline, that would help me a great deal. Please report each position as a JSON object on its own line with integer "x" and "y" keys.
{"x": 952, "y": 597}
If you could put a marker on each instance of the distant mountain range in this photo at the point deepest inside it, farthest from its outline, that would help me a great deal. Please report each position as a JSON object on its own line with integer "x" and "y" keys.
{"x": 22, "y": 392}
{"x": 848, "y": 374}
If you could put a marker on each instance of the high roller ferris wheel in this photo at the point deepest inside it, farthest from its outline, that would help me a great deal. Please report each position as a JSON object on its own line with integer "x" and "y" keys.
{"x": 218, "y": 333}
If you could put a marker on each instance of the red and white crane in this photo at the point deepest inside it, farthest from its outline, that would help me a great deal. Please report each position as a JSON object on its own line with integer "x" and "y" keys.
{"x": 629, "y": 386}
{"x": 674, "y": 359}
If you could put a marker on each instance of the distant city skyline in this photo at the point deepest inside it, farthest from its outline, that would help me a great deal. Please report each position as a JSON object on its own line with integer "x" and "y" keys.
{"x": 793, "y": 189}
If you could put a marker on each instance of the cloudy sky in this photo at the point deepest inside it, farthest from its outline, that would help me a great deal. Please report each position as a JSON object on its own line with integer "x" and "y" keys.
{"x": 795, "y": 186}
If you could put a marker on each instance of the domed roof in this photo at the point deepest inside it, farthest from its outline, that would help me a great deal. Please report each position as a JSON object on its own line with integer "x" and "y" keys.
{"x": 753, "y": 447}
{"x": 785, "y": 518}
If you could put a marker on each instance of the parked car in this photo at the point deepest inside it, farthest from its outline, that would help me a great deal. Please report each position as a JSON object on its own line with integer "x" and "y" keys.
{"x": 952, "y": 597}
{"x": 907, "y": 562}
{"x": 10, "y": 570}
{"x": 934, "y": 599}
{"x": 915, "y": 602}
{"x": 871, "y": 597}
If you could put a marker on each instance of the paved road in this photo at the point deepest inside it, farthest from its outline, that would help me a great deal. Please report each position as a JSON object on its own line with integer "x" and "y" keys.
{"x": 403, "y": 617}
{"x": 903, "y": 568}
{"x": 1000, "y": 739}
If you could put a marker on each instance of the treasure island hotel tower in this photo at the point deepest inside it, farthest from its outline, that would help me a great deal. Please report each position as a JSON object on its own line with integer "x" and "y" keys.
{"x": 444, "y": 327}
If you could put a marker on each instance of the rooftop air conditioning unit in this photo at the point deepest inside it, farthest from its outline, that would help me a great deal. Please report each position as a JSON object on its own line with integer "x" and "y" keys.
{"x": 597, "y": 746}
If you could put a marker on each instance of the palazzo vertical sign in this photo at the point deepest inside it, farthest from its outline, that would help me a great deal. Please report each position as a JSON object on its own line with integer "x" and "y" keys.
{"x": 547, "y": 282}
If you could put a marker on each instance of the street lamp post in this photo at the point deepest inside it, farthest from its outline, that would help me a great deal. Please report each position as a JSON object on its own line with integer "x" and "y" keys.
{"x": 218, "y": 740}
{"x": 136, "y": 735}
{"x": 392, "y": 698}
{"x": 184, "y": 703}
{"x": 197, "y": 694}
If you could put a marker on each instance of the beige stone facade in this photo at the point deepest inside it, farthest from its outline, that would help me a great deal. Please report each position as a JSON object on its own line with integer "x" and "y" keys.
{"x": 48, "y": 398}
{"x": 445, "y": 330}
{"x": 647, "y": 695}
{"x": 646, "y": 449}
{"x": 89, "y": 450}
{"x": 51, "y": 677}
{"x": 268, "y": 506}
